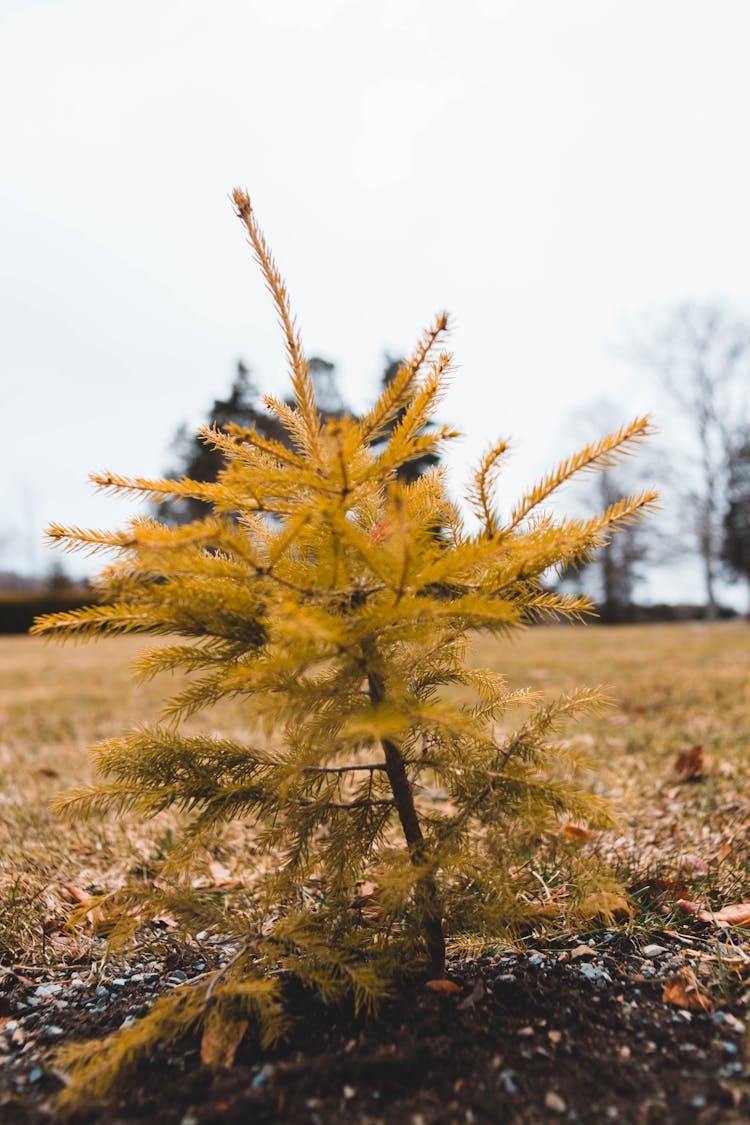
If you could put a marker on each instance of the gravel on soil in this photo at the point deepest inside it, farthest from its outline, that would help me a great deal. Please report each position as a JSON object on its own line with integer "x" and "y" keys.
{"x": 572, "y": 1032}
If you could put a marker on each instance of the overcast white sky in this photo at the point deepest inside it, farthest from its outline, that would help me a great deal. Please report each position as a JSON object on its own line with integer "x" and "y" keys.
{"x": 544, "y": 170}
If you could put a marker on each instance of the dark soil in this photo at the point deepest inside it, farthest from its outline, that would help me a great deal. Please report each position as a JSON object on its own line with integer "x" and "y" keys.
{"x": 538, "y": 1037}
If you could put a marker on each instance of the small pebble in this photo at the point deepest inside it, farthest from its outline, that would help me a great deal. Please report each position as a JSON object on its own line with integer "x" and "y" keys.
{"x": 553, "y": 1101}
{"x": 506, "y": 1079}
{"x": 48, "y": 989}
{"x": 262, "y": 1076}
{"x": 36, "y": 1074}
{"x": 651, "y": 951}
{"x": 592, "y": 972}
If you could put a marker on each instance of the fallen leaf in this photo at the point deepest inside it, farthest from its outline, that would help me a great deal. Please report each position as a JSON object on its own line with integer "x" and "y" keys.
{"x": 687, "y": 906}
{"x": 581, "y": 951}
{"x": 75, "y": 892}
{"x": 577, "y": 834}
{"x": 367, "y": 902}
{"x": 659, "y": 891}
{"x": 738, "y": 914}
{"x": 222, "y": 1036}
{"x": 474, "y": 996}
{"x": 697, "y": 867}
{"x": 442, "y": 984}
{"x": 605, "y": 906}
{"x": 683, "y": 991}
{"x": 166, "y": 919}
{"x": 689, "y": 764}
{"x": 219, "y": 873}
{"x": 724, "y": 851}
{"x": 368, "y": 892}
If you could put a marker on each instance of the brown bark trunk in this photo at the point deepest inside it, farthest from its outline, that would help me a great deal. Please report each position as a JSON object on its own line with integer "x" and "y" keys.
{"x": 407, "y": 813}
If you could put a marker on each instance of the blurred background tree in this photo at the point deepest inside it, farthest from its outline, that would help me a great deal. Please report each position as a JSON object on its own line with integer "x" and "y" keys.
{"x": 700, "y": 354}
{"x": 735, "y": 547}
{"x": 612, "y": 578}
{"x": 244, "y": 406}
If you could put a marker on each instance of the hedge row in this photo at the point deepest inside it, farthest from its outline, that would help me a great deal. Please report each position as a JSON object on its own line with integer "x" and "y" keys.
{"x": 18, "y": 609}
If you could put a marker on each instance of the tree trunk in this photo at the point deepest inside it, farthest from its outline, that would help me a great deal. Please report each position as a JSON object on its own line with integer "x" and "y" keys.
{"x": 403, "y": 795}
{"x": 712, "y": 608}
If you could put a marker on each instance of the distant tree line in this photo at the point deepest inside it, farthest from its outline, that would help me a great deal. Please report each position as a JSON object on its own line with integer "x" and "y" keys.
{"x": 699, "y": 355}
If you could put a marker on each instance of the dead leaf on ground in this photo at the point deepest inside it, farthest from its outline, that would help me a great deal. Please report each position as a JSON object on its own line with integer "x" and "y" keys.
{"x": 737, "y": 914}
{"x": 219, "y": 873}
{"x": 97, "y": 915}
{"x": 659, "y": 891}
{"x": 221, "y": 1038}
{"x": 605, "y": 906}
{"x": 683, "y": 991}
{"x": 476, "y": 994}
{"x": 581, "y": 951}
{"x": 166, "y": 919}
{"x": 689, "y": 765}
{"x": 577, "y": 834}
{"x": 368, "y": 892}
{"x": 75, "y": 893}
{"x": 367, "y": 902}
{"x": 724, "y": 851}
{"x": 222, "y": 877}
{"x": 442, "y": 984}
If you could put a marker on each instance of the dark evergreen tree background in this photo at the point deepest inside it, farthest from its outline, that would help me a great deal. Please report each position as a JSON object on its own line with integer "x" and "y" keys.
{"x": 244, "y": 406}
{"x": 735, "y": 550}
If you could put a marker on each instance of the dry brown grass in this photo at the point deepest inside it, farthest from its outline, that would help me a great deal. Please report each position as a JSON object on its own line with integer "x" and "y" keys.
{"x": 673, "y": 687}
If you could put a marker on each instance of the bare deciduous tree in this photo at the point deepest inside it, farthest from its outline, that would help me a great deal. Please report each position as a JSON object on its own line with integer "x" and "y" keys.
{"x": 701, "y": 356}
{"x": 613, "y": 576}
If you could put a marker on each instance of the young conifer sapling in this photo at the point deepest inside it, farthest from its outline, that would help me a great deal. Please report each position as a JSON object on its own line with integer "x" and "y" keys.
{"x": 338, "y": 604}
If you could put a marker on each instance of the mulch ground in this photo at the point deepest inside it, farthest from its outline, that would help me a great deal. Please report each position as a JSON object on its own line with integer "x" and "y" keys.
{"x": 576, "y": 1033}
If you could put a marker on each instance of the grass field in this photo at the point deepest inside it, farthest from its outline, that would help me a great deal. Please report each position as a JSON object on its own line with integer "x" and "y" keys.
{"x": 673, "y": 687}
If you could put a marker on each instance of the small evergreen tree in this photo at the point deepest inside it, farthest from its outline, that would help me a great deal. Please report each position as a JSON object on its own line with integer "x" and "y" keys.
{"x": 317, "y": 592}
